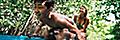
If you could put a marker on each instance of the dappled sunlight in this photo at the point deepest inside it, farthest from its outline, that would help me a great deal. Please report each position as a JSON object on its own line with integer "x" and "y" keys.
{"x": 103, "y": 15}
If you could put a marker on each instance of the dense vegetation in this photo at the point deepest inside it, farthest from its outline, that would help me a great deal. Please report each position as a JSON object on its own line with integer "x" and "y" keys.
{"x": 104, "y": 16}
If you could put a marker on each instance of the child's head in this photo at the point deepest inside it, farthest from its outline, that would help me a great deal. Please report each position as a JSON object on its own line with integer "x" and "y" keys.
{"x": 42, "y": 5}
{"x": 83, "y": 10}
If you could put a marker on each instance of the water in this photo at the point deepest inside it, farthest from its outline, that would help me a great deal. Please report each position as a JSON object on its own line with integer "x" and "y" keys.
{"x": 10, "y": 37}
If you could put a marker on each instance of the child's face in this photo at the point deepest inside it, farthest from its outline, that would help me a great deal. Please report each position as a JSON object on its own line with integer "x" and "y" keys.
{"x": 82, "y": 10}
{"x": 39, "y": 8}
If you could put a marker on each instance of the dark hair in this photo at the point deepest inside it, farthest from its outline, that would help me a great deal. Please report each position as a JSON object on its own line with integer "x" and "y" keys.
{"x": 49, "y": 3}
{"x": 39, "y": 1}
{"x": 85, "y": 10}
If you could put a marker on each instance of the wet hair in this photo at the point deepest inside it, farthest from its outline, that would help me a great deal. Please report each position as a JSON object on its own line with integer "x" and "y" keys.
{"x": 85, "y": 14}
{"x": 48, "y": 3}
{"x": 39, "y": 1}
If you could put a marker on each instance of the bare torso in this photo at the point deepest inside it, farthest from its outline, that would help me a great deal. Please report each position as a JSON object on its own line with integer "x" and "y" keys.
{"x": 54, "y": 20}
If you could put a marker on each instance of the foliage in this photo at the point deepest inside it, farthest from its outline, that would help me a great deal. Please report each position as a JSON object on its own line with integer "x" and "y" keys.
{"x": 14, "y": 13}
{"x": 109, "y": 11}
{"x": 104, "y": 16}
